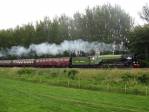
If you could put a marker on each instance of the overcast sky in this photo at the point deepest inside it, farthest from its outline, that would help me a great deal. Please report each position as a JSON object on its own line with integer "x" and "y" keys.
{"x": 18, "y": 12}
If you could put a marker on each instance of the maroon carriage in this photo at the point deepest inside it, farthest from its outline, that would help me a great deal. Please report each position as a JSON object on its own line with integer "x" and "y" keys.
{"x": 52, "y": 62}
{"x": 23, "y": 62}
{"x": 5, "y": 63}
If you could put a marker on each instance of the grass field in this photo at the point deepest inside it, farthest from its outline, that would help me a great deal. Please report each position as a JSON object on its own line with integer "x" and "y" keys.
{"x": 20, "y": 96}
{"x": 130, "y": 81}
{"x": 53, "y": 90}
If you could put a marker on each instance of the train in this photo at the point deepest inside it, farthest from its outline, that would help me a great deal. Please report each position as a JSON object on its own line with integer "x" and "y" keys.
{"x": 100, "y": 61}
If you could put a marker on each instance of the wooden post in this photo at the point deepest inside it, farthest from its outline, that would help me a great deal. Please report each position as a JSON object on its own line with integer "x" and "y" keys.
{"x": 146, "y": 92}
{"x": 125, "y": 88}
{"x": 40, "y": 80}
{"x": 58, "y": 81}
{"x": 79, "y": 83}
{"x": 68, "y": 83}
{"x": 108, "y": 87}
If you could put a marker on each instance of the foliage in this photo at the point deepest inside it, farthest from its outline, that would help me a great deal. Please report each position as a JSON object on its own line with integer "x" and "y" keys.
{"x": 25, "y": 71}
{"x": 113, "y": 80}
{"x": 144, "y": 63}
{"x": 102, "y": 23}
{"x": 138, "y": 38}
{"x": 127, "y": 77}
{"x": 20, "y": 96}
{"x": 145, "y": 13}
{"x": 144, "y": 78}
{"x": 139, "y": 41}
{"x": 72, "y": 74}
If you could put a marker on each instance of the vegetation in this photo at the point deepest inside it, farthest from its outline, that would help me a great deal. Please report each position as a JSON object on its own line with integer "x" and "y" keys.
{"x": 138, "y": 38}
{"x": 139, "y": 42}
{"x": 102, "y": 23}
{"x": 130, "y": 81}
{"x": 20, "y": 96}
{"x": 145, "y": 13}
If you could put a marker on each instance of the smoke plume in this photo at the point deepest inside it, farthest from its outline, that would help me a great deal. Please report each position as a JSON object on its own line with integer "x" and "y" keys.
{"x": 55, "y": 49}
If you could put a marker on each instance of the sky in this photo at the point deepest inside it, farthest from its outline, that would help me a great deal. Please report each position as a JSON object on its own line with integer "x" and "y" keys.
{"x": 19, "y": 12}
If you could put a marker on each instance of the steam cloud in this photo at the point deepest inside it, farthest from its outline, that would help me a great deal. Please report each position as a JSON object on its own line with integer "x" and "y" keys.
{"x": 54, "y": 49}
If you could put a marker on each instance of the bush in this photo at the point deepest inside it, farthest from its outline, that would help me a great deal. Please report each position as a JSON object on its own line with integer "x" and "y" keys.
{"x": 144, "y": 63}
{"x": 25, "y": 71}
{"x": 143, "y": 78}
{"x": 53, "y": 74}
{"x": 72, "y": 74}
{"x": 64, "y": 71}
{"x": 126, "y": 77}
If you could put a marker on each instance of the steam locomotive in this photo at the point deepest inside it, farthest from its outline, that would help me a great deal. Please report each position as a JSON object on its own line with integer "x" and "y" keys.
{"x": 100, "y": 61}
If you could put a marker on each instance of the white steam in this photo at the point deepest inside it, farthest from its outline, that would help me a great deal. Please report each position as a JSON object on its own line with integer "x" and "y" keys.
{"x": 18, "y": 51}
{"x": 1, "y": 55}
{"x": 54, "y": 49}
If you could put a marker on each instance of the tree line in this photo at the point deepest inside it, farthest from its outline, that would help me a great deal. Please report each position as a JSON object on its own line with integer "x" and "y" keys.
{"x": 139, "y": 38}
{"x": 105, "y": 23}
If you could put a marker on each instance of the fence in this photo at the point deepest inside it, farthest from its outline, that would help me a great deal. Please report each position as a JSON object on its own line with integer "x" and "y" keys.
{"x": 143, "y": 90}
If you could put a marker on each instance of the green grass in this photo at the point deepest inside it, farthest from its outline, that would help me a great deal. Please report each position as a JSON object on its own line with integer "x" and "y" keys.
{"x": 130, "y": 81}
{"x": 20, "y": 96}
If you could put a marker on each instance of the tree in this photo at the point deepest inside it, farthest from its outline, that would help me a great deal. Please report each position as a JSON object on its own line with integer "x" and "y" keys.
{"x": 139, "y": 41}
{"x": 64, "y": 28}
{"x": 145, "y": 13}
{"x": 105, "y": 23}
{"x": 139, "y": 36}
